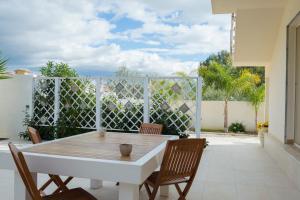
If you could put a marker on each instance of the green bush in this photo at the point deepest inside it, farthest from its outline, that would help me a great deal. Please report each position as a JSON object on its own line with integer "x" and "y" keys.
{"x": 236, "y": 127}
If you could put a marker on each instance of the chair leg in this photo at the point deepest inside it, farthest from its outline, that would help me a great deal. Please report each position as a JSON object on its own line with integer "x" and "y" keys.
{"x": 181, "y": 194}
{"x": 154, "y": 192}
{"x": 186, "y": 189}
{"x": 63, "y": 188}
{"x": 68, "y": 180}
{"x": 60, "y": 184}
{"x": 45, "y": 185}
{"x": 148, "y": 189}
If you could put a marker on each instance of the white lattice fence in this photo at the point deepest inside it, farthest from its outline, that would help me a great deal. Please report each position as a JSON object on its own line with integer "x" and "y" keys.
{"x": 174, "y": 100}
{"x": 43, "y": 101}
{"x": 118, "y": 103}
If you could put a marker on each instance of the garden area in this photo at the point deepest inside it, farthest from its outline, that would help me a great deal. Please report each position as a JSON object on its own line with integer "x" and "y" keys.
{"x": 66, "y": 104}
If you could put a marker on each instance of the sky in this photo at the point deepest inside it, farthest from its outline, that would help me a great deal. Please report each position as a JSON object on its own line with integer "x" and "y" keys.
{"x": 99, "y": 36}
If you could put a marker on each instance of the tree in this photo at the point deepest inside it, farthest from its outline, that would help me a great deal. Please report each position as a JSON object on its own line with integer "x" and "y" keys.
{"x": 256, "y": 96}
{"x": 58, "y": 70}
{"x": 222, "y": 57}
{"x": 224, "y": 79}
{"x": 3, "y": 74}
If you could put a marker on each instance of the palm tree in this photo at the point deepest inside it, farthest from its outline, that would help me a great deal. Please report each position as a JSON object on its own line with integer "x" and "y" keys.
{"x": 3, "y": 74}
{"x": 225, "y": 79}
{"x": 256, "y": 96}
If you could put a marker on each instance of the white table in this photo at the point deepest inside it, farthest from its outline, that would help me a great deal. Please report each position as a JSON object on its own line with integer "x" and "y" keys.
{"x": 130, "y": 173}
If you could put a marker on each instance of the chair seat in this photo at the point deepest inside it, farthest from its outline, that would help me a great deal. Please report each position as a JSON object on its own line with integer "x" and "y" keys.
{"x": 72, "y": 194}
{"x": 153, "y": 177}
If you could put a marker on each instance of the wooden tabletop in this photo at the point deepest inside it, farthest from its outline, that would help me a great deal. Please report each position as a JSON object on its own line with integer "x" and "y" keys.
{"x": 92, "y": 145}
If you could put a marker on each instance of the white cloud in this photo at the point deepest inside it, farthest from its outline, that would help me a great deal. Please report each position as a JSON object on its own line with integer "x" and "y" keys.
{"x": 35, "y": 31}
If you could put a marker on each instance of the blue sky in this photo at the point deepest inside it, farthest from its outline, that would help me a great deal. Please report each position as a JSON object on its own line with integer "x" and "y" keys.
{"x": 98, "y": 36}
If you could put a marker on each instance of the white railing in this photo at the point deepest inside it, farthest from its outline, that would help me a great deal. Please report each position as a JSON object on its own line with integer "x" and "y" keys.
{"x": 232, "y": 33}
{"x": 118, "y": 103}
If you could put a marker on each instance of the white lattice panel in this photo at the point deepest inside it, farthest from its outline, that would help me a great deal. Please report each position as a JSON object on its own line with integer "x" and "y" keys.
{"x": 116, "y": 103}
{"x": 43, "y": 101}
{"x": 173, "y": 101}
{"x": 78, "y": 98}
{"x": 122, "y": 103}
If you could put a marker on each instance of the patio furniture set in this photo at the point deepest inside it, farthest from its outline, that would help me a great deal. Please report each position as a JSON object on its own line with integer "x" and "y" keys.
{"x": 98, "y": 157}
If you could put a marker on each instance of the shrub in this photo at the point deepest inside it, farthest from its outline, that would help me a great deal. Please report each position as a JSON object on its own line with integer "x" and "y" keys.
{"x": 236, "y": 127}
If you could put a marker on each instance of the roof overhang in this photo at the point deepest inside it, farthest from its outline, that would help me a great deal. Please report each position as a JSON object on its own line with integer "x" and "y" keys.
{"x": 231, "y": 6}
{"x": 256, "y": 27}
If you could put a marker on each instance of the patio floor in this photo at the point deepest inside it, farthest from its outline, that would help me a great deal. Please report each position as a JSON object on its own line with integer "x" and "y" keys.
{"x": 232, "y": 168}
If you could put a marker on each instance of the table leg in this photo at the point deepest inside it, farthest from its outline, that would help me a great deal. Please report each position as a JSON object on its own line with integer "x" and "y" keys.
{"x": 96, "y": 184}
{"x": 164, "y": 191}
{"x": 129, "y": 191}
{"x": 20, "y": 191}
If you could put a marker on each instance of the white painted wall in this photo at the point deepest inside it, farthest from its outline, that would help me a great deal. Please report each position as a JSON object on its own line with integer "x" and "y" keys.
{"x": 212, "y": 114}
{"x": 278, "y": 74}
{"x": 15, "y": 94}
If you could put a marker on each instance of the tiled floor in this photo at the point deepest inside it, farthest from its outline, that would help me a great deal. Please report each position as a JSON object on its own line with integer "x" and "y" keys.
{"x": 232, "y": 168}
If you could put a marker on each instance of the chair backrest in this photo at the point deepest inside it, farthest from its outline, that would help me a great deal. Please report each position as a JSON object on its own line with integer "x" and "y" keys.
{"x": 34, "y": 135}
{"x": 181, "y": 159}
{"x": 24, "y": 172}
{"x": 154, "y": 129}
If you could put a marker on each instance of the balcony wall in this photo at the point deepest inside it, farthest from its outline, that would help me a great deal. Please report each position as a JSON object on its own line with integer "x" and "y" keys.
{"x": 16, "y": 93}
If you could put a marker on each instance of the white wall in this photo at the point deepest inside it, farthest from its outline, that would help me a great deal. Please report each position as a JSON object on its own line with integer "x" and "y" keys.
{"x": 15, "y": 94}
{"x": 212, "y": 114}
{"x": 278, "y": 74}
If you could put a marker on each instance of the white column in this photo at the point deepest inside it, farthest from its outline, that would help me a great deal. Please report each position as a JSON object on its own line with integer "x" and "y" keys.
{"x": 164, "y": 191}
{"x": 20, "y": 191}
{"x": 19, "y": 187}
{"x": 146, "y": 100}
{"x": 96, "y": 184}
{"x": 32, "y": 97}
{"x": 98, "y": 105}
{"x": 56, "y": 99}
{"x": 198, "y": 107}
{"x": 129, "y": 191}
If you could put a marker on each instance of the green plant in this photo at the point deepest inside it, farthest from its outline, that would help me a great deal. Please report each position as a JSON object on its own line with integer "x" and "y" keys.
{"x": 237, "y": 127}
{"x": 3, "y": 74}
{"x": 46, "y": 132}
{"x": 223, "y": 78}
{"x": 52, "y": 69}
{"x": 256, "y": 96}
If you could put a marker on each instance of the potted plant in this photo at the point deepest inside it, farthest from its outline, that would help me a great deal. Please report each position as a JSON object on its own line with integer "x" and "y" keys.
{"x": 262, "y": 128}
{"x": 184, "y": 135}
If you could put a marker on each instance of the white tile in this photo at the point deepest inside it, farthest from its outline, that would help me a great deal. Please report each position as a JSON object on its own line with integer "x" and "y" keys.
{"x": 232, "y": 168}
{"x": 252, "y": 192}
{"x": 217, "y": 191}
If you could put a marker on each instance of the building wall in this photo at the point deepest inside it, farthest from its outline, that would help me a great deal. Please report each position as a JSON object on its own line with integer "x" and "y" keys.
{"x": 15, "y": 94}
{"x": 278, "y": 74}
{"x": 212, "y": 114}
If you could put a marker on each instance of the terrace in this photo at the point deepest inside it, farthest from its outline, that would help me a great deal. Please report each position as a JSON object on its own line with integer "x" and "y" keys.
{"x": 84, "y": 121}
{"x": 232, "y": 168}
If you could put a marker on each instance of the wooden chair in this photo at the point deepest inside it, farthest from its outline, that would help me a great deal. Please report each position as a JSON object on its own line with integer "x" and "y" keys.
{"x": 72, "y": 194}
{"x": 180, "y": 164}
{"x": 154, "y": 129}
{"x": 61, "y": 185}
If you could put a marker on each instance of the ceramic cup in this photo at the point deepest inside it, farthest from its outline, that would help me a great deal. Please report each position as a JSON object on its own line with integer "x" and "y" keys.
{"x": 125, "y": 149}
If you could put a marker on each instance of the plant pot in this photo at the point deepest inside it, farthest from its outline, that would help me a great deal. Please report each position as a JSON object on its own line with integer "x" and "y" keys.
{"x": 183, "y": 136}
{"x": 261, "y": 136}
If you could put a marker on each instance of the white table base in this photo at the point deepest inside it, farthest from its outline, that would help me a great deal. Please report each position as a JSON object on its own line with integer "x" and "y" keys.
{"x": 96, "y": 184}
{"x": 129, "y": 191}
{"x": 20, "y": 191}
